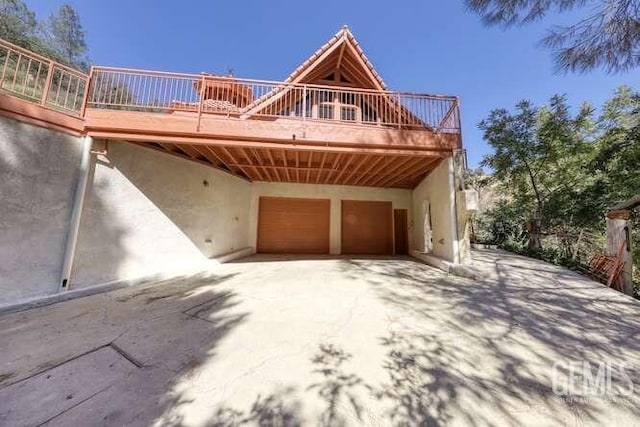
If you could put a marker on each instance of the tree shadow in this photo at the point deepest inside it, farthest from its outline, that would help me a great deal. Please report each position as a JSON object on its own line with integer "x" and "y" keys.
{"x": 161, "y": 332}
{"x": 279, "y": 409}
{"x": 493, "y": 342}
{"x": 337, "y": 389}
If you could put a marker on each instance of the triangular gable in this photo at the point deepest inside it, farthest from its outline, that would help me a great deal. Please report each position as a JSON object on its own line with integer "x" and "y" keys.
{"x": 341, "y": 54}
{"x": 332, "y": 54}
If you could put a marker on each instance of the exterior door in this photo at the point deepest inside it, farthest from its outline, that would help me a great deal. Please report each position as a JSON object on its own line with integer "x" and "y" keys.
{"x": 367, "y": 227}
{"x": 293, "y": 225}
{"x": 400, "y": 232}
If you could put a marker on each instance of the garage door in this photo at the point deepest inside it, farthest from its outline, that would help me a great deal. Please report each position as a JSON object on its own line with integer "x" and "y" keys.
{"x": 292, "y": 225}
{"x": 367, "y": 227}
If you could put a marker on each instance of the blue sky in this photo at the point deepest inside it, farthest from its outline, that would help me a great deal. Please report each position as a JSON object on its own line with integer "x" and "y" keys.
{"x": 431, "y": 46}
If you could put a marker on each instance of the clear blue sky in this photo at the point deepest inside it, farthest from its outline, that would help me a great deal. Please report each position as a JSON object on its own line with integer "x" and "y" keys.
{"x": 431, "y": 46}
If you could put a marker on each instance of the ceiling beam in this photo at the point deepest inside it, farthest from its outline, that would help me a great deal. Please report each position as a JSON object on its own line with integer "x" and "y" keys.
{"x": 324, "y": 157}
{"x": 344, "y": 168}
{"x": 309, "y": 165}
{"x": 300, "y": 145}
{"x": 234, "y": 160}
{"x": 273, "y": 163}
{"x": 400, "y": 163}
{"x": 185, "y": 157}
{"x": 285, "y": 163}
{"x": 403, "y": 172}
{"x": 369, "y": 169}
{"x": 355, "y": 169}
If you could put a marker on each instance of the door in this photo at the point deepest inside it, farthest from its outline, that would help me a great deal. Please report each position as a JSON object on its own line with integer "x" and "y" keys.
{"x": 367, "y": 227}
{"x": 293, "y": 225}
{"x": 400, "y": 232}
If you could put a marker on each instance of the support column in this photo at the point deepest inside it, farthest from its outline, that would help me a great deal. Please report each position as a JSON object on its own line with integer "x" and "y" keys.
{"x": 76, "y": 213}
{"x": 619, "y": 233}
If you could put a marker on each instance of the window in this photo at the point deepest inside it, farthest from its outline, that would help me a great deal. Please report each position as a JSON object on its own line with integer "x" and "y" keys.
{"x": 348, "y": 113}
{"x": 325, "y": 111}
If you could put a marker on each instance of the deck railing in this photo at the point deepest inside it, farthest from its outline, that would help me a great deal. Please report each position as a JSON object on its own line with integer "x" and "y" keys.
{"x": 152, "y": 91}
{"x": 32, "y": 77}
{"x": 37, "y": 79}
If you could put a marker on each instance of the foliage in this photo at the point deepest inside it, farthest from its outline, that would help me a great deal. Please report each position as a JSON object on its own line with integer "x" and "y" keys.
{"x": 65, "y": 35}
{"x": 539, "y": 152}
{"x": 609, "y": 37}
{"x": 568, "y": 168}
{"x": 60, "y": 38}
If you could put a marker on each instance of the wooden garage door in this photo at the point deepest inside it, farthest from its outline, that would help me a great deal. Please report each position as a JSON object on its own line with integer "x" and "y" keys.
{"x": 367, "y": 227}
{"x": 295, "y": 226}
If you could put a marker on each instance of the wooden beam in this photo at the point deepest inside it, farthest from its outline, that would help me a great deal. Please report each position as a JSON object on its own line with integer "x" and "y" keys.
{"x": 324, "y": 157}
{"x": 309, "y": 165}
{"x": 301, "y": 145}
{"x": 184, "y": 157}
{"x": 336, "y": 163}
{"x": 362, "y": 162}
{"x": 344, "y": 168}
{"x": 400, "y": 163}
{"x": 369, "y": 169}
{"x": 253, "y": 167}
{"x": 341, "y": 54}
{"x": 261, "y": 163}
{"x": 234, "y": 160}
{"x": 419, "y": 174}
{"x": 285, "y": 163}
{"x": 273, "y": 163}
{"x": 408, "y": 169}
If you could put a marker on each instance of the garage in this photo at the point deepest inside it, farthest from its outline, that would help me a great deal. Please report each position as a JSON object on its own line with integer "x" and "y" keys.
{"x": 293, "y": 225}
{"x": 367, "y": 227}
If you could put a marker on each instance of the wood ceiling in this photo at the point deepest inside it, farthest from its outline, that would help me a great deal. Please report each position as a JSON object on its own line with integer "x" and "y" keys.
{"x": 306, "y": 166}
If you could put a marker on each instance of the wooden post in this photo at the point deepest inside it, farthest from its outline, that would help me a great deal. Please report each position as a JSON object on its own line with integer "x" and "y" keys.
{"x": 47, "y": 84}
{"x": 304, "y": 103}
{"x": 619, "y": 232}
{"x": 201, "y": 100}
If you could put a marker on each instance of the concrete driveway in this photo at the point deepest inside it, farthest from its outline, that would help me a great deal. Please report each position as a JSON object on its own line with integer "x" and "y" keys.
{"x": 270, "y": 341}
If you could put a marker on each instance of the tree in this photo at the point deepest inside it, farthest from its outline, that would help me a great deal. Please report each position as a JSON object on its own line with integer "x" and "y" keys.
{"x": 608, "y": 38}
{"x": 539, "y": 155}
{"x": 17, "y": 23}
{"x": 66, "y": 36}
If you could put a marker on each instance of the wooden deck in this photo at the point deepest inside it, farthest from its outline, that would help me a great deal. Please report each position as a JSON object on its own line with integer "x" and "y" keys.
{"x": 347, "y": 130}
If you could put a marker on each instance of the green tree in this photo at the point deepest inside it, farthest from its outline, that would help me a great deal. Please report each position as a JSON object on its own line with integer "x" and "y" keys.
{"x": 18, "y": 24}
{"x": 609, "y": 37}
{"x": 67, "y": 37}
{"x": 539, "y": 154}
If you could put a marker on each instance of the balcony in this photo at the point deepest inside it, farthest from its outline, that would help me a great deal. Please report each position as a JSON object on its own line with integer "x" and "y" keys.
{"x": 256, "y": 130}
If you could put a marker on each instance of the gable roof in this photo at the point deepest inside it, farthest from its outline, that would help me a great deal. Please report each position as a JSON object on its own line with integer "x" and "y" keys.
{"x": 341, "y": 49}
{"x": 342, "y": 41}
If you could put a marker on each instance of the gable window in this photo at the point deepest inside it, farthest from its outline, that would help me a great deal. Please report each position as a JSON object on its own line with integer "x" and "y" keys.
{"x": 325, "y": 111}
{"x": 349, "y": 113}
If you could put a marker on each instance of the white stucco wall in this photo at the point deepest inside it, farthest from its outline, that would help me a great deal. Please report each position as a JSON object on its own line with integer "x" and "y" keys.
{"x": 439, "y": 190}
{"x": 38, "y": 171}
{"x": 400, "y": 199}
{"x": 149, "y": 212}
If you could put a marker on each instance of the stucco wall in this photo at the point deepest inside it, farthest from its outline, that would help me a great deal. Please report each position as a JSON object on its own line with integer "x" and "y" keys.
{"x": 401, "y": 199}
{"x": 38, "y": 172}
{"x": 149, "y": 212}
{"x": 439, "y": 190}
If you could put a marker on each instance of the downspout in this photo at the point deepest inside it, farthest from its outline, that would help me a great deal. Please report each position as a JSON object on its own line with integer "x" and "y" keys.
{"x": 454, "y": 210}
{"x": 76, "y": 213}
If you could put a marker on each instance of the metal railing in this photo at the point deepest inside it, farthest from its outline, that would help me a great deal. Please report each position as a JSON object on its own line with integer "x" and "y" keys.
{"x": 37, "y": 79}
{"x": 32, "y": 77}
{"x": 153, "y": 91}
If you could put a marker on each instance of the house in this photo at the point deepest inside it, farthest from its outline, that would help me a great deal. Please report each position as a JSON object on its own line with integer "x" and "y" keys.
{"x": 126, "y": 174}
